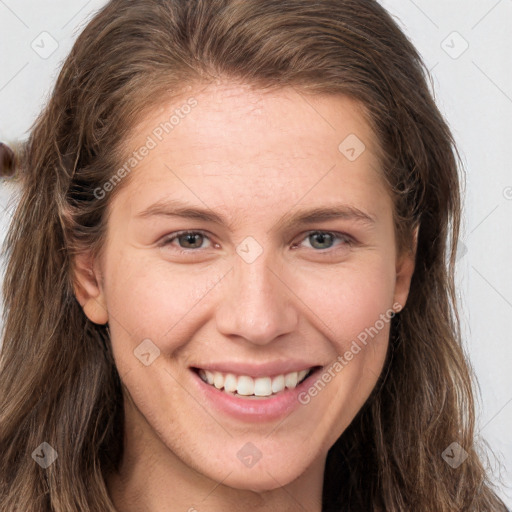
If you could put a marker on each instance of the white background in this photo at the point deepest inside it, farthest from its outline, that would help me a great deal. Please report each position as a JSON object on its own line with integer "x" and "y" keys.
{"x": 473, "y": 89}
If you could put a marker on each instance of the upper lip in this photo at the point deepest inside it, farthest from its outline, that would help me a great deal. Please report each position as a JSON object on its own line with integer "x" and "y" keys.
{"x": 257, "y": 370}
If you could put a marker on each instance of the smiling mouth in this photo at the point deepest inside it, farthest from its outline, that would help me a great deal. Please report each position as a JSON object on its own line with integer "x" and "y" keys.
{"x": 258, "y": 387}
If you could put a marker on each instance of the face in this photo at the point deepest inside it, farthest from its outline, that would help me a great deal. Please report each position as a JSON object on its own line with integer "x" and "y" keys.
{"x": 252, "y": 247}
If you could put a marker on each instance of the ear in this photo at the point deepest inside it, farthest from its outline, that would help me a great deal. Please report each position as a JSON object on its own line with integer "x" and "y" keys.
{"x": 404, "y": 271}
{"x": 88, "y": 289}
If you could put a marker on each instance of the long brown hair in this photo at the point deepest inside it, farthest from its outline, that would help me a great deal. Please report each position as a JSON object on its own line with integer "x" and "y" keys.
{"x": 58, "y": 380}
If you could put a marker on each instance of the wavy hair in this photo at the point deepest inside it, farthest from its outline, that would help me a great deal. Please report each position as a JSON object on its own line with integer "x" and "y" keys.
{"x": 58, "y": 381}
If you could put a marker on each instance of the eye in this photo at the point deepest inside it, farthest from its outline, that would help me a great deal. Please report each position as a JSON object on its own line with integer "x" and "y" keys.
{"x": 187, "y": 240}
{"x": 322, "y": 240}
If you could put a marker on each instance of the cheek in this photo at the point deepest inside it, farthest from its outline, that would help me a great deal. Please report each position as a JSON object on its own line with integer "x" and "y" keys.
{"x": 353, "y": 308}
{"x": 149, "y": 298}
{"x": 350, "y": 300}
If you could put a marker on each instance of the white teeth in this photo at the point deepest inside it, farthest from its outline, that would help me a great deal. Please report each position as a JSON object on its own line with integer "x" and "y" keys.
{"x": 247, "y": 386}
{"x": 230, "y": 383}
{"x": 290, "y": 380}
{"x": 278, "y": 384}
{"x": 302, "y": 374}
{"x": 209, "y": 376}
{"x": 218, "y": 380}
{"x": 263, "y": 386}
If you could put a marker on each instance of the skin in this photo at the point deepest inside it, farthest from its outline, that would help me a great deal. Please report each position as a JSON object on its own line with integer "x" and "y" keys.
{"x": 252, "y": 157}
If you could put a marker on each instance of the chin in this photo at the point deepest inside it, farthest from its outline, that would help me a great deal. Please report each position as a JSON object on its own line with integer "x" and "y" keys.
{"x": 278, "y": 471}
{"x": 261, "y": 482}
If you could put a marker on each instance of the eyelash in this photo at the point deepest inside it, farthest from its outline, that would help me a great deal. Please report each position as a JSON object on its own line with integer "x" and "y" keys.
{"x": 346, "y": 239}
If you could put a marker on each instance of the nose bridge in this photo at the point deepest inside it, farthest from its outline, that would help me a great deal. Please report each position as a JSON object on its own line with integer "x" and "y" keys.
{"x": 255, "y": 304}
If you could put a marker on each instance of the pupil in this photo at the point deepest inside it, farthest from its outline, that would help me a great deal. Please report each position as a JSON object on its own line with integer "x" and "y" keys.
{"x": 321, "y": 237}
{"x": 191, "y": 238}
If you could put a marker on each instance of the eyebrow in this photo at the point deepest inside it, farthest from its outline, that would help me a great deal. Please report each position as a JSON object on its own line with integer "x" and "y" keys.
{"x": 176, "y": 208}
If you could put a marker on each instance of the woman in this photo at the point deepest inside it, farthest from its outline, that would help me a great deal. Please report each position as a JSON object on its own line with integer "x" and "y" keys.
{"x": 228, "y": 281}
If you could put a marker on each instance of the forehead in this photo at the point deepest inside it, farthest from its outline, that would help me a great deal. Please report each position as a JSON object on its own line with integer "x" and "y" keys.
{"x": 221, "y": 111}
{"x": 245, "y": 147}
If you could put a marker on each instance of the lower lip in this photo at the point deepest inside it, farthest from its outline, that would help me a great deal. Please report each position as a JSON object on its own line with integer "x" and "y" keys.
{"x": 250, "y": 409}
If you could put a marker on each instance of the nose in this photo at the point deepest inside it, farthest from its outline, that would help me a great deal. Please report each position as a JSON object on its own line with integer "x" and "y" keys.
{"x": 256, "y": 303}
